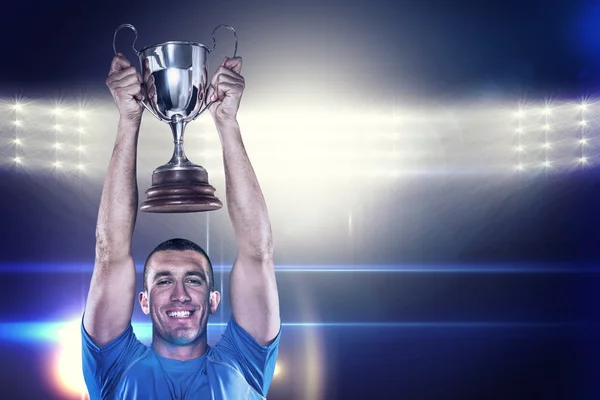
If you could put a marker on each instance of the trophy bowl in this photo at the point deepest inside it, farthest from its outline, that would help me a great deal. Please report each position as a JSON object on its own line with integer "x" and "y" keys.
{"x": 175, "y": 84}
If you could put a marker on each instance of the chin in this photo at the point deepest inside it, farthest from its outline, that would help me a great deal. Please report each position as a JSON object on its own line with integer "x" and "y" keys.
{"x": 181, "y": 341}
{"x": 183, "y": 337}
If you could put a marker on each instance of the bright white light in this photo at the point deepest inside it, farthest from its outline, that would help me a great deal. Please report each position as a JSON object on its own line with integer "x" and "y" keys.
{"x": 278, "y": 370}
{"x": 57, "y": 164}
{"x": 583, "y": 107}
{"x": 583, "y": 159}
{"x": 547, "y": 111}
{"x": 18, "y": 107}
{"x": 18, "y": 160}
{"x": 67, "y": 368}
{"x": 520, "y": 167}
{"x": 80, "y": 167}
{"x": 53, "y": 125}
{"x": 547, "y": 164}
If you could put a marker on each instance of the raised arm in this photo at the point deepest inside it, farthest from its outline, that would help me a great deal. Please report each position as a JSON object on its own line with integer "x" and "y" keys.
{"x": 254, "y": 297}
{"x": 112, "y": 291}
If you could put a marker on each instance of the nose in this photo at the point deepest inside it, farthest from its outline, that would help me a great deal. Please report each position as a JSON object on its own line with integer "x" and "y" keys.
{"x": 180, "y": 294}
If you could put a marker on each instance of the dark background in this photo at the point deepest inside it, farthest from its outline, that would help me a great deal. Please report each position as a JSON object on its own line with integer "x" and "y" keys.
{"x": 507, "y": 304}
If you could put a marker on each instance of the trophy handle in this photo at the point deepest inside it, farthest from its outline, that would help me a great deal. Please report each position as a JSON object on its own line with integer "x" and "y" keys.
{"x": 210, "y": 51}
{"x": 138, "y": 54}
{"x": 134, "y": 40}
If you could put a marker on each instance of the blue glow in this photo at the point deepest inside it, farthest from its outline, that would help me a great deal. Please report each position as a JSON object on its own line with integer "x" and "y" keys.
{"x": 51, "y": 331}
{"x": 586, "y": 31}
{"x": 402, "y": 268}
{"x": 31, "y": 331}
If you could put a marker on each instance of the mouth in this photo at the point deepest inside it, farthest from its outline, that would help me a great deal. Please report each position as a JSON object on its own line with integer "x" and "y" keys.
{"x": 180, "y": 314}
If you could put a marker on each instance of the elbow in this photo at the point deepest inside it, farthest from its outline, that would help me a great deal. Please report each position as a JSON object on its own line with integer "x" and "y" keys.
{"x": 111, "y": 243}
{"x": 109, "y": 251}
{"x": 264, "y": 251}
{"x": 257, "y": 244}
{"x": 258, "y": 253}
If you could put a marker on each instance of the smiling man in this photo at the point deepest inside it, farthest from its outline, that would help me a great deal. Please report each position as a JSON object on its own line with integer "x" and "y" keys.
{"x": 179, "y": 293}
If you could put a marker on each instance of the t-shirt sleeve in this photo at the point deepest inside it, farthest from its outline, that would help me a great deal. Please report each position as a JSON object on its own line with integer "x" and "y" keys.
{"x": 254, "y": 361}
{"x": 104, "y": 366}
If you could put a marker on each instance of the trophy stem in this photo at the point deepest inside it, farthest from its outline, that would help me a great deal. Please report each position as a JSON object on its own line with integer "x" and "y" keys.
{"x": 180, "y": 186}
{"x": 177, "y": 127}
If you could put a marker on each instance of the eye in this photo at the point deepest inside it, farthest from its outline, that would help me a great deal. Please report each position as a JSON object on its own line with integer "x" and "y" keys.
{"x": 163, "y": 282}
{"x": 195, "y": 281}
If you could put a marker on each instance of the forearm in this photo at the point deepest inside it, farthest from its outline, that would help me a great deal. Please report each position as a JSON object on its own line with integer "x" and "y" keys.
{"x": 118, "y": 205}
{"x": 245, "y": 201}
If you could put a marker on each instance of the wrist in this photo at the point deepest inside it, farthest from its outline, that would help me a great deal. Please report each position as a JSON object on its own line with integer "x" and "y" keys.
{"x": 129, "y": 122}
{"x": 229, "y": 134}
{"x": 227, "y": 125}
{"x": 127, "y": 133}
{"x": 128, "y": 127}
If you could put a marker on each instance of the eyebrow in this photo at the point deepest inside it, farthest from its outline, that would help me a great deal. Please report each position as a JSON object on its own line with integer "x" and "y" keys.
{"x": 199, "y": 274}
{"x": 163, "y": 274}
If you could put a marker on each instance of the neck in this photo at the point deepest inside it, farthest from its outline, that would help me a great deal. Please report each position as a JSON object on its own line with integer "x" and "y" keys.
{"x": 181, "y": 353}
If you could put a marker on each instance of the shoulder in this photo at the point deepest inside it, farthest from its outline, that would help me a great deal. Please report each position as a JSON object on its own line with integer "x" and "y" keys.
{"x": 104, "y": 366}
{"x": 238, "y": 350}
{"x": 235, "y": 332}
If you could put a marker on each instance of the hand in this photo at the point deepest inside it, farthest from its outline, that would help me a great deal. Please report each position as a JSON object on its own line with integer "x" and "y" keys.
{"x": 125, "y": 85}
{"x": 226, "y": 88}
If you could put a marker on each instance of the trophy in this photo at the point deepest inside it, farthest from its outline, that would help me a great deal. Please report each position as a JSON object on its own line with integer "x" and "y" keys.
{"x": 175, "y": 84}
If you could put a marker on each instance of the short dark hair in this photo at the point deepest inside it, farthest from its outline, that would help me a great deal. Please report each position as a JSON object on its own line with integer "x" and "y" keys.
{"x": 179, "y": 244}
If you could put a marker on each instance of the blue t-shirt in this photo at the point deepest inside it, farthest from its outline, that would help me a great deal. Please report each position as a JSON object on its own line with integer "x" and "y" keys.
{"x": 237, "y": 367}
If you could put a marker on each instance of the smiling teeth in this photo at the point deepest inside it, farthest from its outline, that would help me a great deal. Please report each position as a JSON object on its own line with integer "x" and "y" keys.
{"x": 179, "y": 314}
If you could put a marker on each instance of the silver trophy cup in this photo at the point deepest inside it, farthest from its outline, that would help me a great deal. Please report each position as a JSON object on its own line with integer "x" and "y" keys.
{"x": 176, "y": 84}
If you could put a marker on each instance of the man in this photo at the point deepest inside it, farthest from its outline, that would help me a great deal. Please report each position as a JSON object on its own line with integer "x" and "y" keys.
{"x": 179, "y": 290}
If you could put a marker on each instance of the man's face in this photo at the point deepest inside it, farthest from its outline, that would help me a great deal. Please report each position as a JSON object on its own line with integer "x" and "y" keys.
{"x": 179, "y": 299}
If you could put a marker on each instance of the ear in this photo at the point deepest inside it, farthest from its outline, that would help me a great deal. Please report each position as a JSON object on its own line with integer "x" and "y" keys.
{"x": 143, "y": 299}
{"x": 214, "y": 300}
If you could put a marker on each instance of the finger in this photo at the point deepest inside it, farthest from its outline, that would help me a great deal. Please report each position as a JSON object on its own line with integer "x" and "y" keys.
{"x": 147, "y": 74}
{"x": 127, "y": 81}
{"x": 230, "y": 79}
{"x": 115, "y": 76}
{"x": 140, "y": 96}
{"x": 224, "y": 89}
{"x": 149, "y": 80}
{"x": 131, "y": 90}
{"x": 228, "y": 71}
{"x": 118, "y": 63}
{"x": 224, "y": 71}
{"x": 210, "y": 93}
{"x": 234, "y": 64}
{"x": 237, "y": 81}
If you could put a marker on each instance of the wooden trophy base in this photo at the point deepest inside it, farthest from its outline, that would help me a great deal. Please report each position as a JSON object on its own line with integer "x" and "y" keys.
{"x": 180, "y": 191}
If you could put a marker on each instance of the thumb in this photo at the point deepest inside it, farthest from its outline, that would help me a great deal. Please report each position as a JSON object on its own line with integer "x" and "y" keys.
{"x": 212, "y": 94}
{"x": 210, "y": 100}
